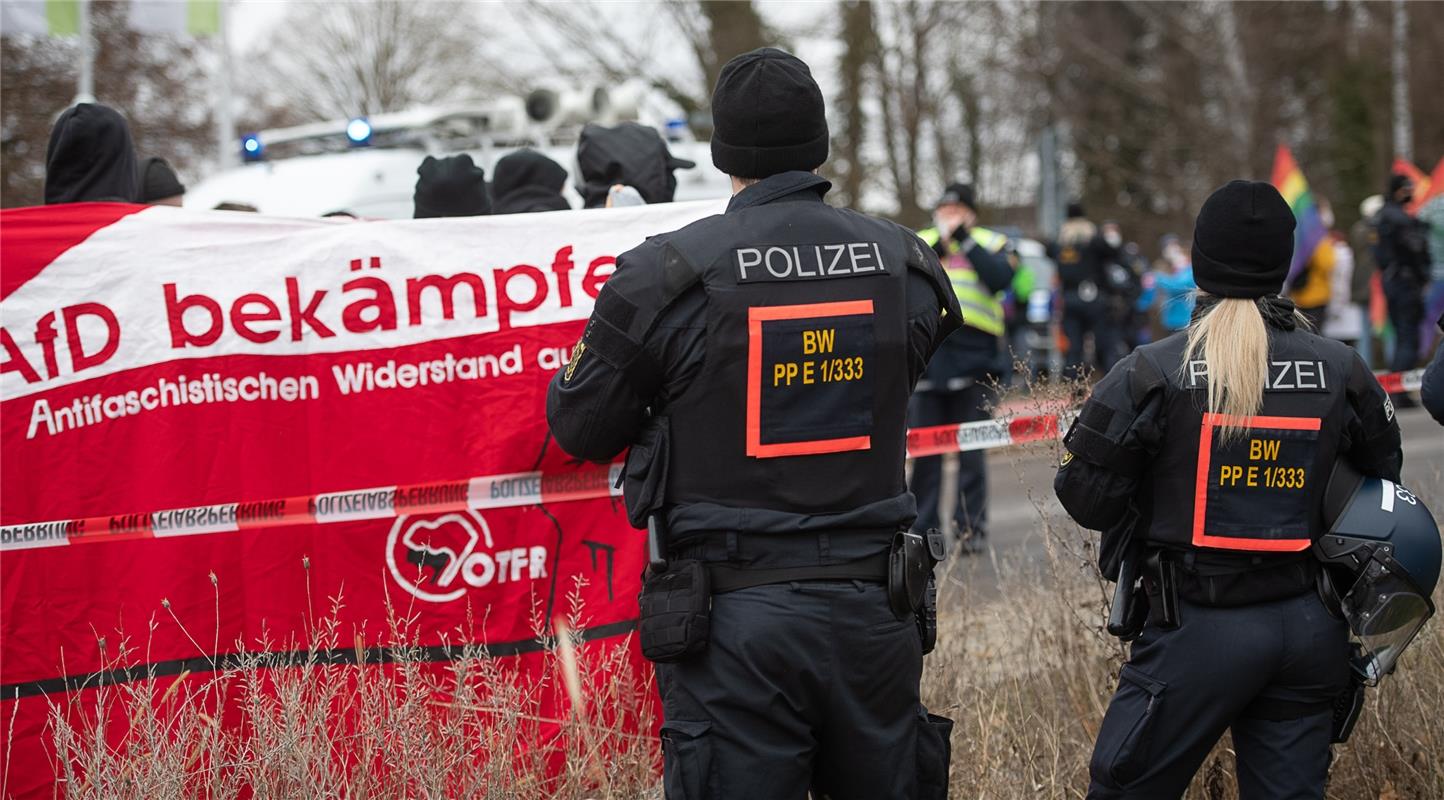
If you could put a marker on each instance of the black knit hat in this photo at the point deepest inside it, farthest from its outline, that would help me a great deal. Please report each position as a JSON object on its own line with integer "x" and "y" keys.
{"x": 1397, "y": 182}
{"x": 1243, "y": 241}
{"x": 767, "y": 116}
{"x": 158, "y": 181}
{"x": 451, "y": 187}
{"x": 1075, "y": 211}
{"x": 958, "y": 193}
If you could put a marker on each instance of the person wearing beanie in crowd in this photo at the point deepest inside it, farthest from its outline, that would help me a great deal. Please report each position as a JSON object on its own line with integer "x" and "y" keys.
{"x": 957, "y": 385}
{"x": 1083, "y": 257}
{"x": 630, "y": 154}
{"x": 1403, "y": 254}
{"x": 451, "y": 187}
{"x": 90, "y": 157}
{"x": 159, "y": 185}
{"x": 758, "y": 365}
{"x": 526, "y": 181}
{"x": 1364, "y": 240}
{"x": 1203, "y": 458}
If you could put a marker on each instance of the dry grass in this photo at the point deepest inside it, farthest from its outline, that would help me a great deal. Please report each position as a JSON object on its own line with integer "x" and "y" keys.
{"x": 411, "y": 728}
{"x": 1026, "y": 680}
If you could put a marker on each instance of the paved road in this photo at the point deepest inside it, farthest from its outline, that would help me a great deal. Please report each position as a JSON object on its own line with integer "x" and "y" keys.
{"x": 1023, "y": 508}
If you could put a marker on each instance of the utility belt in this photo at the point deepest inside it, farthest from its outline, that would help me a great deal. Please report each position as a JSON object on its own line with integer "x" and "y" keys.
{"x": 676, "y": 597}
{"x": 1152, "y": 581}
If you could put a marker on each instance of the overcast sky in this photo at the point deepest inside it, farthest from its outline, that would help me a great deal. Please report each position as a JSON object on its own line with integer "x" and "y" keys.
{"x": 252, "y": 20}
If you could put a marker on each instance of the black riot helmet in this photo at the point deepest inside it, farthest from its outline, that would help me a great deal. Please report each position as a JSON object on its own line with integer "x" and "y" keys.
{"x": 1381, "y": 560}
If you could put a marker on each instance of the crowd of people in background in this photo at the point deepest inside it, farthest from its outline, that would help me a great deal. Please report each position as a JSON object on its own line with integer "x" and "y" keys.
{"x": 1380, "y": 288}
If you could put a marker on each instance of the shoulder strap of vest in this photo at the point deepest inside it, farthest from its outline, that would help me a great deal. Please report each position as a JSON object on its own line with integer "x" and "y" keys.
{"x": 1127, "y": 397}
{"x": 925, "y": 261}
{"x": 648, "y": 280}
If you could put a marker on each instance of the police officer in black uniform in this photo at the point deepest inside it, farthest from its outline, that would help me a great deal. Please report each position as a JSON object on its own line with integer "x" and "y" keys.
{"x": 758, "y": 364}
{"x": 1204, "y": 458}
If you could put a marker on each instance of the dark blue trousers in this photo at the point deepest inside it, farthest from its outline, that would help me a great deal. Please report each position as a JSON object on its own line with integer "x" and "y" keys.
{"x": 803, "y": 686}
{"x": 971, "y": 509}
{"x": 1269, "y": 672}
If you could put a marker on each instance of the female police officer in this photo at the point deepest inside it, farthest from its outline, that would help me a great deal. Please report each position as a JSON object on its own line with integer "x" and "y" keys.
{"x": 1204, "y": 457}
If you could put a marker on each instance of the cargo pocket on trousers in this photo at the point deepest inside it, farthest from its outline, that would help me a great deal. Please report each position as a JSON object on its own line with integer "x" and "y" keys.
{"x": 934, "y": 752}
{"x": 1124, "y": 739}
{"x": 687, "y": 759}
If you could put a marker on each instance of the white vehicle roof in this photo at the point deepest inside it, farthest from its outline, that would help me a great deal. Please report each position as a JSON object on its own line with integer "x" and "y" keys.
{"x": 379, "y": 182}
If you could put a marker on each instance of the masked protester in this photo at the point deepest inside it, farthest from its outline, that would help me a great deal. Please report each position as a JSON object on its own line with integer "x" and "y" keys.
{"x": 526, "y": 181}
{"x": 630, "y": 154}
{"x": 90, "y": 157}
{"x": 1204, "y": 458}
{"x": 957, "y": 384}
{"x": 758, "y": 364}
{"x": 451, "y": 187}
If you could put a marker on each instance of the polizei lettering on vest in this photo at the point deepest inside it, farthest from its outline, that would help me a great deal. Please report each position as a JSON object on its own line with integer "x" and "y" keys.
{"x": 1302, "y": 376}
{"x": 808, "y": 261}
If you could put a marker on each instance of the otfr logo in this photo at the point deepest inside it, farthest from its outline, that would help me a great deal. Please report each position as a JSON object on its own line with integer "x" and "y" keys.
{"x": 439, "y": 558}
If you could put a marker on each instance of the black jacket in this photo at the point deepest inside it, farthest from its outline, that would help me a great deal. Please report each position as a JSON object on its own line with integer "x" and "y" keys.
{"x": 1126, "y": 423}
{"x": 90, "y": 157}
{"x": 596, "y": 408}
{"x": 1083, "y": 260}
{"x": 1403, "y": 248}
{"x": 526, "y": 181}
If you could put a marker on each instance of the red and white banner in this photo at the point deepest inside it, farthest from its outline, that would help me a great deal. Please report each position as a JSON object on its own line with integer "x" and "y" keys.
{"x": 195, "y": 392}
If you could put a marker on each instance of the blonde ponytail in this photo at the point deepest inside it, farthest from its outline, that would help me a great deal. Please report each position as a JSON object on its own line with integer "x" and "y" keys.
{"x": 1233, "y": 341}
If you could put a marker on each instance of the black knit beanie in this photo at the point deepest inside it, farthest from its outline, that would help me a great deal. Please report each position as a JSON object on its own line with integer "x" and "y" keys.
{"x": 1396, "y": 182}
{"x": 158, "y": 181}
{"x": 767, "y": 116}
{"x": 1243, "y": 241}
{"x": 959, "y": 193}
{"x": 451, "y": 187}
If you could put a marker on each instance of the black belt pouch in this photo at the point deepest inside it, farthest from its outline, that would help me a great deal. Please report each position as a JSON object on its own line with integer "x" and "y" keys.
{"x": 676, "y": 612}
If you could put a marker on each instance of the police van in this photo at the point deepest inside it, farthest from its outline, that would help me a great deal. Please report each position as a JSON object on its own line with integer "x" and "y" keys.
{"x": 366, "y": 167}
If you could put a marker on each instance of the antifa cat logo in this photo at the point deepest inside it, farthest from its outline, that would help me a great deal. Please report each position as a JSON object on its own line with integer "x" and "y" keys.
{"x": 438, "y": 558}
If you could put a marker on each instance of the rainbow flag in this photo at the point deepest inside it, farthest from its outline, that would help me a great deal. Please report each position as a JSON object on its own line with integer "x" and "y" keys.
{"x": 1290, "y": 182}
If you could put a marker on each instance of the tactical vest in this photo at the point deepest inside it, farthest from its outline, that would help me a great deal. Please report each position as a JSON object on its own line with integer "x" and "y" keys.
{"x": 1261, "y": 491}
{"x": 801, "y": 402}
{"x": 982, "y": 309}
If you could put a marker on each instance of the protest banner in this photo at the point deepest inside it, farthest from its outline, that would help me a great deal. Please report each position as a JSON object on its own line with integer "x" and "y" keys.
{"x": 206, "y": 401}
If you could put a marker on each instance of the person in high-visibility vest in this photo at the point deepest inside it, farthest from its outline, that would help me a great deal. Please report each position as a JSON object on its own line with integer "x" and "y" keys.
{"x": 955, "y": 387}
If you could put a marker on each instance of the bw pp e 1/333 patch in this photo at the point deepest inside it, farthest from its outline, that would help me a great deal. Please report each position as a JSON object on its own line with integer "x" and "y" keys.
{"x": 1253, "y": 489}
{"x": 809, "y": 378}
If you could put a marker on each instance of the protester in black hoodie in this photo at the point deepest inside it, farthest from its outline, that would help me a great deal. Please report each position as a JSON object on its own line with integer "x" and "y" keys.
{"x": 526, "y": 181}
{"x": 159, "y": 185}
{"x": 90, "y": 157}
{"x": 451, "y": 187}
{"x": 631, "y": 154}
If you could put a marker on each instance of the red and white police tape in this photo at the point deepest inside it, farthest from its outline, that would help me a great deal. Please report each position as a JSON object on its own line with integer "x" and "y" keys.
{"x": 488, "y": 491}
